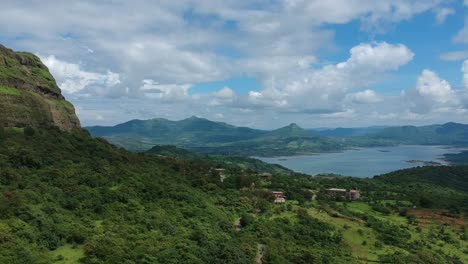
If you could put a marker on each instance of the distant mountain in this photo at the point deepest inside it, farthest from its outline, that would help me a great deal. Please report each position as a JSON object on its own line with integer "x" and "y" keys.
{"x": 209, "y": 137}
{"x": 346, "y": 132}
{"x": 292, "y": 130}
{"x": 446, "y": 134}
{"x": 202, "y": 135}
{"x": 143, "y": 134}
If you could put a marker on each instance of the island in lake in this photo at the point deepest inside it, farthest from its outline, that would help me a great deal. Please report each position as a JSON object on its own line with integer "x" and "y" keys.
{"x": 425, "y": 163}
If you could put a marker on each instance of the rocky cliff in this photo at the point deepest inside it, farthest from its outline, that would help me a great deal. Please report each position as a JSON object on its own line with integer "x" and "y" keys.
{"x": 29, "y": 95}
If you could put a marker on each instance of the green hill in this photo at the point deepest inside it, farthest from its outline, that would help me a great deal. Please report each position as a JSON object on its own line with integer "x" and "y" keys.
{"x": 66, "y": 197}
{"x": 143, "y": 134}
{"x": 446, "y": 134}
{"x": 29, "y": 95}
{"x": 210, "y": 137}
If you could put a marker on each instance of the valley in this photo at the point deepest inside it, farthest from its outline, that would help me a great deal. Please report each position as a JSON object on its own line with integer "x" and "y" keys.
{"x": 68, "y": 195}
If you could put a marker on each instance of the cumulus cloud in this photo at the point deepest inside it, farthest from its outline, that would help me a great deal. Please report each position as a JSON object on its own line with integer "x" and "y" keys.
{"x": 325, "y": 88}
{"x": 71, "y": 78}
{"x": 223, "y": 97}
{"x": 365, "y": 97}
{"x": 165, "y": 92}
{"x": 430, "y": 85}
{"x": 135, "y": 54}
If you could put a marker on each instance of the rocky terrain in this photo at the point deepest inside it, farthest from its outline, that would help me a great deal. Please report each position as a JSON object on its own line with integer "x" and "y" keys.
{"x": 29, "y": 95}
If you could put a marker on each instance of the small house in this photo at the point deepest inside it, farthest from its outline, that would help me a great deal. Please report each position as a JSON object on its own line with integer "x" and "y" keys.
{"x": 344, "y": 193}
{"x": 265, "y": 175}
{"x": 279, "y": 197}
{"x": 221, "y": 173}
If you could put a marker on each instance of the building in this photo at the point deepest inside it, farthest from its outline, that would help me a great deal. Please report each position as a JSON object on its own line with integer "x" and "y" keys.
{"x": 221, "y": 173}
{"x": 265, "y": 175}
{"x": 347, "y": 194}
{"x": 279, "y": 197}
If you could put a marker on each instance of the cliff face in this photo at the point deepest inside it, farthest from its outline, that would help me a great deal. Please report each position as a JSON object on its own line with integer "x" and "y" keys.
{"x": 29, "y": 95}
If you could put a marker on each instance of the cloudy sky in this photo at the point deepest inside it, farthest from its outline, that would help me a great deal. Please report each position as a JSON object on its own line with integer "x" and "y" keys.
{"x": 258, "y": 63}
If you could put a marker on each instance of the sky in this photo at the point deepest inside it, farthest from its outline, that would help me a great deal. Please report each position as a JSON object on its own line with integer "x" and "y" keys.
{"x": 256, "y": 63}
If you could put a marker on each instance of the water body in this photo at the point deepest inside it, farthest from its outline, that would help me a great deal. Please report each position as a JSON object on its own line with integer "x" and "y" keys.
{"x": 363, "y": 162}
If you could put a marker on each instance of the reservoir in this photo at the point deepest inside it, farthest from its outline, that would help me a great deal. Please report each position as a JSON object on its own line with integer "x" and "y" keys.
{"x": 364, "y": 162}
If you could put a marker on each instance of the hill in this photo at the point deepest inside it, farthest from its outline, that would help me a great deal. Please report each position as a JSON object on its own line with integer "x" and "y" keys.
{"x": 211, "y": 137}
{"x": 141, "y": 135}
{"x": 66, "y": 197}
{"x": 29, "y": 95}
{"x": 446, "y": 134}
{"x": 342, "y": 132}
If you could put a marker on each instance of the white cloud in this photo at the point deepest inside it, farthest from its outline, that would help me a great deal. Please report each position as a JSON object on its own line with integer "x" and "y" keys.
{"x": 365, "y": 97}
{"x": 325, "y": 88}
{"x": 443, "y": 13}
{"x": 464, "y": 70}
{"x": 165, "y": 92}
{"x": 130, "y": 55}
{"x": 430, "y": 85}
{"x": 454, "y": 55}
{"x": 224, "y": 96}
{"x": 71, "y": 78}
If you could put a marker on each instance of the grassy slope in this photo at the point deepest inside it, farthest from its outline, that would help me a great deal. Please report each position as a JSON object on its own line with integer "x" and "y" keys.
{"x": 29, "y": 95}
{"x": 61, "y": 190}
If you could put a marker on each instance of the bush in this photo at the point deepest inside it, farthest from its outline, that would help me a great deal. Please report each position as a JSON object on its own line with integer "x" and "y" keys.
{"x": 29, "y": 131}
{"x": 246, "y": 219}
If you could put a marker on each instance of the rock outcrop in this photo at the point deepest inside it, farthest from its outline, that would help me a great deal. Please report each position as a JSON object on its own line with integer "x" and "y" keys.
{"x": 29, "y": 95}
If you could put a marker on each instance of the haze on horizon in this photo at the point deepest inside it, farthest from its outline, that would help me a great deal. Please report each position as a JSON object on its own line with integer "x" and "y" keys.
{"x": 261, "y": 64}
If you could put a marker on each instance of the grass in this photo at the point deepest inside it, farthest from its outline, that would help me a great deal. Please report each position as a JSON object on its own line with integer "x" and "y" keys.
{"x": 67, "y": 254}
{"x": 66, "y": 104}
{"x": 364, "y": 208}
{"x": 362, "y": 238}
{"x": 9, "y": 90}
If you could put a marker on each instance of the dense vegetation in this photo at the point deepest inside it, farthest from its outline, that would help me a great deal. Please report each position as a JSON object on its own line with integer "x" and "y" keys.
{"x": 458, "y": 158}
{"x": 29, "y": 94}
{"x": 68, "y": 198}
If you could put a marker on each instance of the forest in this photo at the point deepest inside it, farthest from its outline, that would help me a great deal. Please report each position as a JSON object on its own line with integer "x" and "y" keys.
{"x": 69, "y": 198}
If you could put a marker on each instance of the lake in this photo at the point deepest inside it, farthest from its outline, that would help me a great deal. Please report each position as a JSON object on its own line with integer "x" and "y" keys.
{"x": 363, "y": 162}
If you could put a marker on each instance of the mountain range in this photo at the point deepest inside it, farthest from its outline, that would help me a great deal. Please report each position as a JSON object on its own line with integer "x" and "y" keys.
{"x": 207, "y": 136}
{"x": 203, "y": 135}
{"x": 66, "y": 197}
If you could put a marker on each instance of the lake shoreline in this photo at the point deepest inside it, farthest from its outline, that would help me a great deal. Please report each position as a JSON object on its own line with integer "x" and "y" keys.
{"x": 366, "y": 162}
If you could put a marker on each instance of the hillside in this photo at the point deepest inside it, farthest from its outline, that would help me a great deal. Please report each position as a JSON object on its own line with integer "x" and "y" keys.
{"x": 29, "y": 95}
{"x": 141, "y": 135}
{"x": 342, "y": 132}
{"x": 205, "y": 136}
{"x": 66, "y": 197}
{"x": 211, "y": 137}
{"x": 446, "y": 134}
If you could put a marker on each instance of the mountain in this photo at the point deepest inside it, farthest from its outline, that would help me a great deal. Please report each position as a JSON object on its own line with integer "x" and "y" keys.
{"x": 66, "y": 197}
{"x": 29, "y": 95}
{"x": 211, "y": 137}
{"x": 144, "y": 134}
{"x": 445, "y": 134}
{"x": 346, "y": 132}
{"x": 292, "y": 130}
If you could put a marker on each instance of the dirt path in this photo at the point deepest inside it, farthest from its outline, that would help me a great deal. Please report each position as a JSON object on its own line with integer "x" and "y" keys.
{"x": 237, "y": 224}
{"x": 260, "y": 253}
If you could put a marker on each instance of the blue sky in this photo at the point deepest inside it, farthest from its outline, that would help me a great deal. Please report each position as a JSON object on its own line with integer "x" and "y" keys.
{"x": 338, "y": 63}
